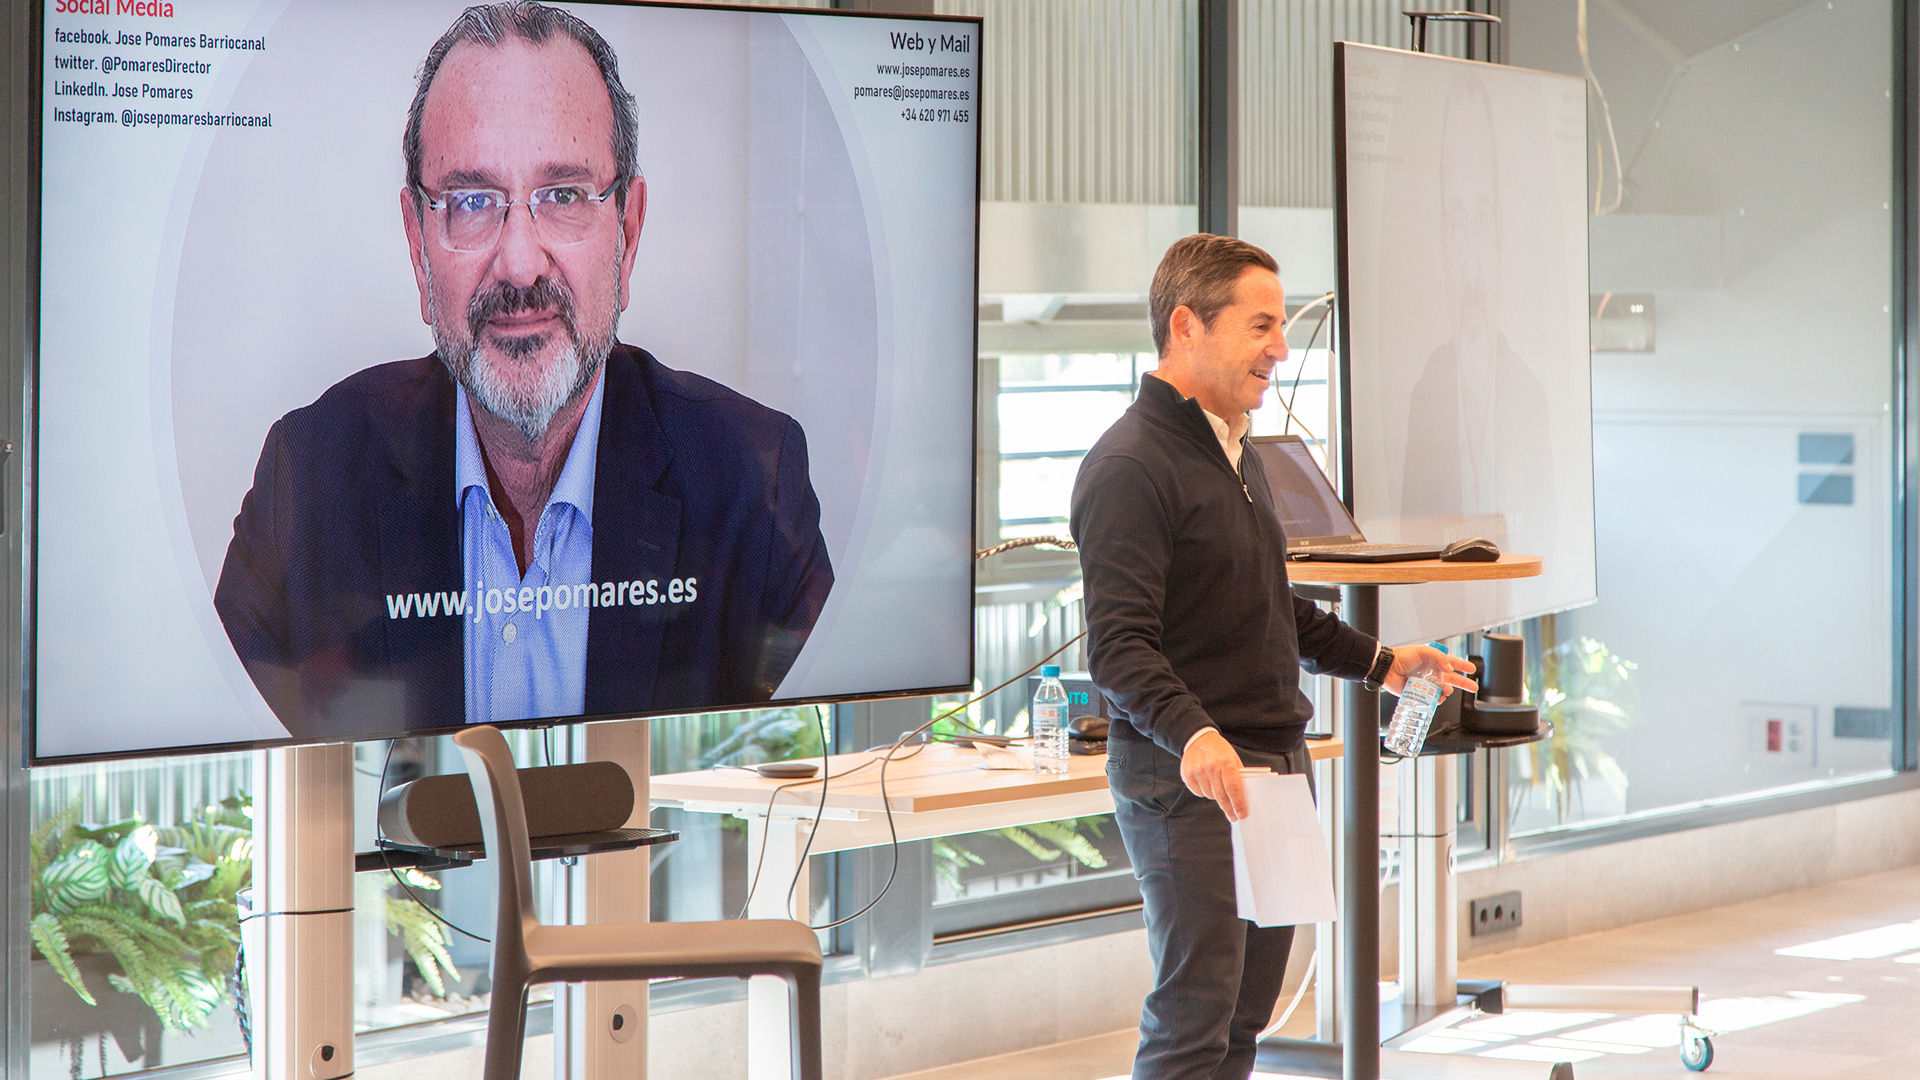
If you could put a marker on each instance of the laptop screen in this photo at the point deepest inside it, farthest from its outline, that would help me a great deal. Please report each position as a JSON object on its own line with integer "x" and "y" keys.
{"x": 1305, "y": 501}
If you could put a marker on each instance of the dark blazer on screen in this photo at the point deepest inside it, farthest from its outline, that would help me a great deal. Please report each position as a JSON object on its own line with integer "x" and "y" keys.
{"x": 353, "y": 503}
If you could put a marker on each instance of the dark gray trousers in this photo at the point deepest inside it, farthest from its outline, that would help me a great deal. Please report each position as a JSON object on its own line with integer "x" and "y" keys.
{"x": 1216, "y": 977}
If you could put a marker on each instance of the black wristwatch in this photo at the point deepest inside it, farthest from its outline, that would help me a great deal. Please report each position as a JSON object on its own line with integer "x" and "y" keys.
{"x": 1377, "y": 674}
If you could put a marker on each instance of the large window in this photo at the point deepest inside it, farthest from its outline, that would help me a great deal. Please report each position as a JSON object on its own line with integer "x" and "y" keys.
{"x": 1743, "y": 380}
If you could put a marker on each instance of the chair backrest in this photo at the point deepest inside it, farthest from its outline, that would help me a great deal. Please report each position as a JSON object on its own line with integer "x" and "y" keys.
{"x": 503, "y": 823}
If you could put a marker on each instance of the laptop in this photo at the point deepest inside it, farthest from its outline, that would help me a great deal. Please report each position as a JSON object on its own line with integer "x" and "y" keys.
{"x": 1316, "y": 522}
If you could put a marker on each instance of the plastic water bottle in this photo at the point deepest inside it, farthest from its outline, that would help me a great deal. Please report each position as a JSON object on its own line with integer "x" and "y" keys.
{"x": 1049, "y": 722}
{"x": 1418, "y": 700}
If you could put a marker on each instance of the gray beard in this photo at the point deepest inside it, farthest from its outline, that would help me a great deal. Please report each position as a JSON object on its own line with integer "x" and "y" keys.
{"x": 528, "y": 407}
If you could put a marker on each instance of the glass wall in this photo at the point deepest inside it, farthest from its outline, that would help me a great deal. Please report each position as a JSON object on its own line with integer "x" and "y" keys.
{"x": 1742, "y": 260}
{"x": 1088, "y": 172}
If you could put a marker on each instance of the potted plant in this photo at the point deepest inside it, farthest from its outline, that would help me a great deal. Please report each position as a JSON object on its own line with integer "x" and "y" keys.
{"x": 142, "y": 911}
{"x": 1589, "y": 693}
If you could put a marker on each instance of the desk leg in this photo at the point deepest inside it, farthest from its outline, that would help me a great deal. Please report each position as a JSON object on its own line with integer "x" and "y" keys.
{"x": 1428, "y": 934}
{"x": 611, "y": 887}
{"x": 768, "y": 1054}
{"x": 1328, "y": 978}
{"x": 300, "y": 950}
{"x": 1360, "y": 848}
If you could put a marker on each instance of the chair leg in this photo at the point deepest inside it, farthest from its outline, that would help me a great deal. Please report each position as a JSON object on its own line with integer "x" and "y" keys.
{"x": 506, "y": 1031}
{"x": 803, "y": 996}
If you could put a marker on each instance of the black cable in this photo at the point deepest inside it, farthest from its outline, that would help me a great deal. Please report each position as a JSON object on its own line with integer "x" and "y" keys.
{"x": 820, "y": 812}
{"x": 893, "y": 832}
{"x": 386, "y": 856}
{"x": 1294, "y": 393}
{"x": 761, "y": 862}
{"x": 893, "y": 845}
{"x": 773, "y": 798}
{"x": 316, "y": 911}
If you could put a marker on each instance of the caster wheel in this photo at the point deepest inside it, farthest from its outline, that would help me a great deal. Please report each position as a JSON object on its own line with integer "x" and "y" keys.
{"x": 1696, "y": 1053}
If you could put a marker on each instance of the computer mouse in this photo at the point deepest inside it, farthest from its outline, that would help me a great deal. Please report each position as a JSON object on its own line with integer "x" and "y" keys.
{"x": 1472, "y": 549}
{"x": 787, "y": 770}
{"x": 1087, "y": 727}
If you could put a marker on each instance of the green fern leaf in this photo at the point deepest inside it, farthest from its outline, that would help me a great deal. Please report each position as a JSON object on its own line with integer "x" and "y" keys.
{"x": 137, "y": 967}
{"x": 1065, "y": 835}
{"x": 50, "y": 941}
{"x": 133, "y": 923}
{"x": 1029, "y": 843}
{"x": 424, "y": 939}
{"x": 45, "y": 844}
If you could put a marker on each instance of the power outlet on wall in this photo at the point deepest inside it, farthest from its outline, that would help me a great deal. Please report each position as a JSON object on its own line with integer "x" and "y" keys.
{"x": 1496, "y": 914}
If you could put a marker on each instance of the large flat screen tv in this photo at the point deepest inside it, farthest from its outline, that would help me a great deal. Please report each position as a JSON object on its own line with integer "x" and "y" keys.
{"x": 404, "y": 365}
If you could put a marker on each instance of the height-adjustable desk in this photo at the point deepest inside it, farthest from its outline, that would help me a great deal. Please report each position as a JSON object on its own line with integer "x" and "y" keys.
{"x": 1359, "y": 955}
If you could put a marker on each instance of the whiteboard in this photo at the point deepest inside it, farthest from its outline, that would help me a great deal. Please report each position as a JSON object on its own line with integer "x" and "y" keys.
{"x": 1462, "y": 244}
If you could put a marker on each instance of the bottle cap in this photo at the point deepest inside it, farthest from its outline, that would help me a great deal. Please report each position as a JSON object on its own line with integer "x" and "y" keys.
{"x": 1051, "y": 671}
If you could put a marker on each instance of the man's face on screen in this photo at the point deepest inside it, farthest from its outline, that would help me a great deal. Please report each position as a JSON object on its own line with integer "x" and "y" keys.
{"x": 525, "y": 313}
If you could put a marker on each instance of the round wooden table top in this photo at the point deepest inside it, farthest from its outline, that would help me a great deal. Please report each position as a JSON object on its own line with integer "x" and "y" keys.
{"x": 1413, "y": 572}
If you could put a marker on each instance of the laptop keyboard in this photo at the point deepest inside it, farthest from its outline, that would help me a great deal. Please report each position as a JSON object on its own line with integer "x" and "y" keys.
{"x": 1353, "y": 549}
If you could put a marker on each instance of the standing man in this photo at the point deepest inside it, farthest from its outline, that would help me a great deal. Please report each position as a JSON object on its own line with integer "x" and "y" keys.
{"x": 1197, "y": 640}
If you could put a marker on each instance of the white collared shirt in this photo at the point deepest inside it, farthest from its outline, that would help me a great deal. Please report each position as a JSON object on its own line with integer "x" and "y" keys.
{"x": 1229, "y": 434}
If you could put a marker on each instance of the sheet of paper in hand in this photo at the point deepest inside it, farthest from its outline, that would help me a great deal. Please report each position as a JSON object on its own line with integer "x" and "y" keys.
{"x": 1282, "y": 875}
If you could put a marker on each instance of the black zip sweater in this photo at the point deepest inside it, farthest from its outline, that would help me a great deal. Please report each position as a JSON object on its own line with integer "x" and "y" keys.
{"x": 1190, "y": 620}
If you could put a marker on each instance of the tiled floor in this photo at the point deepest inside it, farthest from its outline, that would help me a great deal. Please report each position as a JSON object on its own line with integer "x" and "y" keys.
{"x": 1815, "y": 985}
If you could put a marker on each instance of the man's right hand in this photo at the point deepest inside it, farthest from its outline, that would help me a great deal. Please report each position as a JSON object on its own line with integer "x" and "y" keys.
{"x": 1211, "y": 768}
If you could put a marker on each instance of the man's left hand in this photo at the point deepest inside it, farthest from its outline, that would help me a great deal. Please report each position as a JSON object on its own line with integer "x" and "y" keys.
{"x": 1458, "y": 670}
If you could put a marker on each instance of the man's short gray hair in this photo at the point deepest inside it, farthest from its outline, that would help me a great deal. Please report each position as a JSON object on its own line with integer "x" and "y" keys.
{"x": 1199, "y": 272}
{"x": 534, "y": 23}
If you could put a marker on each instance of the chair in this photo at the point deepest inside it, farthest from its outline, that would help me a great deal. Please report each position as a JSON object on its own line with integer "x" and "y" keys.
{"x": 526, "y": 952}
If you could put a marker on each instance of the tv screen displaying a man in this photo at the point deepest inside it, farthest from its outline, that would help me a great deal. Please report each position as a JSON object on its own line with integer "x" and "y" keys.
{"x": 508, "y": 363}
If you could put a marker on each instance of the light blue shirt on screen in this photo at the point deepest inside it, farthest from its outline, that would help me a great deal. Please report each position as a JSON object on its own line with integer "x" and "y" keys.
{"x": 526, "y": 660}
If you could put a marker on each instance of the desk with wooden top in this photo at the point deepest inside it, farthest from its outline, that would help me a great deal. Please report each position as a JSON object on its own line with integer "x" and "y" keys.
{"x": 937, "y": 791}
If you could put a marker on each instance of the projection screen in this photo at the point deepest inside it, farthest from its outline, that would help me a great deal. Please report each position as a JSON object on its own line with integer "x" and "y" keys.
{"x": 1461, "y": 210}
